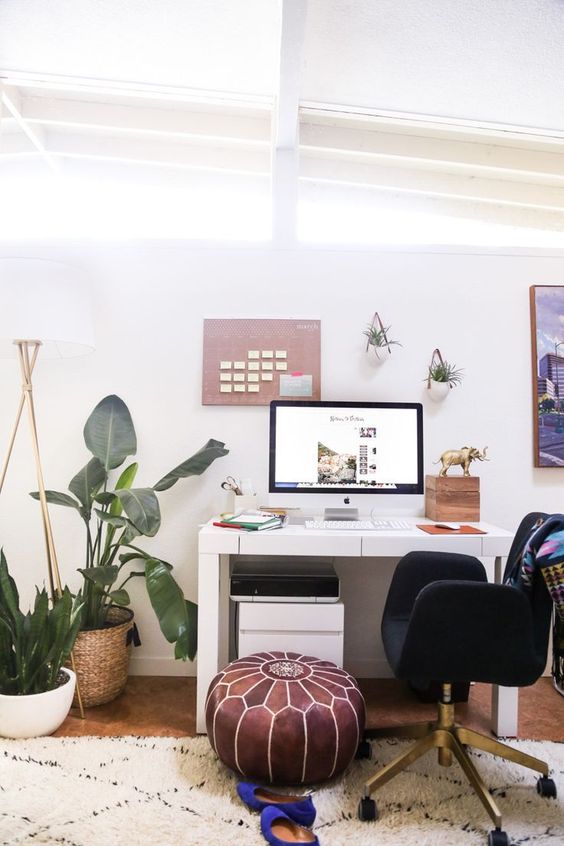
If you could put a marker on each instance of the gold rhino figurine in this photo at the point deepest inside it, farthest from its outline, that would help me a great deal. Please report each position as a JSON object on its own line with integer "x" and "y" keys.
{"x": 463, "y": 456}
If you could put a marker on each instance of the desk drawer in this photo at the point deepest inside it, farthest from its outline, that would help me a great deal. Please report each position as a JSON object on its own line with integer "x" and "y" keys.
{"x": 291, "y": 627}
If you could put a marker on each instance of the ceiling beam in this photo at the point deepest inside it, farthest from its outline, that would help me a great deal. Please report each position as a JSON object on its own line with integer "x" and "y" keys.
{"x": 412, "y": 121}
{"x": 11, "y": 100}
{"x": 285, "y": 124}
{"x": 138, "y": 118}
{"x": 479, "y": 158}
{"x": 372, "y": 204}
{"x": 109, "y": 88}
{"x": 433, "y": 183}
{"x": 159, "y": 152}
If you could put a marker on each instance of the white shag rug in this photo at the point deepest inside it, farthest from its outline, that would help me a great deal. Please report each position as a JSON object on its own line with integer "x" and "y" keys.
{"x": 132, "y": 791}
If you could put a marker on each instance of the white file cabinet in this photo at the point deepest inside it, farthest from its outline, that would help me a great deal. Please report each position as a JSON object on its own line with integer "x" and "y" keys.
{"x": 306, "y": 628}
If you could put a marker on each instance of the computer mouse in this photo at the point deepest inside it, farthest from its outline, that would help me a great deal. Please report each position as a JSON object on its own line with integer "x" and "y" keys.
{"x": 453, "y": 526}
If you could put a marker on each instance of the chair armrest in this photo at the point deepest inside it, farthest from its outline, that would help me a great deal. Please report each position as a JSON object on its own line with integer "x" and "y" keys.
{"x": 471, "y": 631}
{"x": 416, "y": 570}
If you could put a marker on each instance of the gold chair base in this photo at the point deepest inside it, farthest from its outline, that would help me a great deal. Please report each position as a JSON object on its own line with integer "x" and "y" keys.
{"x": 451, "y": 740}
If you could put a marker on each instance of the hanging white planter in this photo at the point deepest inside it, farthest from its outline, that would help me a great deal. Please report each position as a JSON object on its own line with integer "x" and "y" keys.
{"x": 438, "y": 391}
{"x": 36, "y": 714}
{"x": 449, "y": 377}
{"x": 377, "y": 340}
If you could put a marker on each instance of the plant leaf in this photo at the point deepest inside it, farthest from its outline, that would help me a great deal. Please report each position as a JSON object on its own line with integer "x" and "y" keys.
{"x": 142, "y": 507}
{"x": 87, "y": 482}
{"x": 186, "y": 645}
{"x": 109, "y": 433}
{"x": 101, "y": 576}
{"x": 124, "y": 482}
{"x": 193, "y": 466}
{"x": 56, "y": 498}
{"x": 120, "y": 597}
{"x": 116, "y": 522}
{"x": 8, "y": 591}
{"x": 104, "y": 497}
{"x": 172, "y": 610}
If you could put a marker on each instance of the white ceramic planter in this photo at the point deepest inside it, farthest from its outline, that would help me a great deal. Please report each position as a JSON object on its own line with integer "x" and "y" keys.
{"x": 37, "y": 714}
{"x": 438, "y": 391}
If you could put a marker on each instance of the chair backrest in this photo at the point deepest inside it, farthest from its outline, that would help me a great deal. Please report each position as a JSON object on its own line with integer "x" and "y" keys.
{"x": 541, "y": 601}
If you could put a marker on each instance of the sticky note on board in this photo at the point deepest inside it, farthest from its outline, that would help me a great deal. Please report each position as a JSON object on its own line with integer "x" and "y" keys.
{"x": 267, "y": 377}
{"x": 239, "y": 365}
{"x": 253, "y": 365}
{"x": 268, "y": 365}
{"x": 239, "y": 388}
{"x": 296, "y": 386}
{"x": 225, "y": 365}
{"x": 225, "y": 377}
{"x": 252, "y": 377}
{"x": 238, "y": 377}
{"x": 267, "y": 354}
{"x": 281, "y": 365}
{"x": 281, "y": 354}
{"x": 225, "y": 389}
{"x": 253, "y": 354}
{"x": 253, "y": 389}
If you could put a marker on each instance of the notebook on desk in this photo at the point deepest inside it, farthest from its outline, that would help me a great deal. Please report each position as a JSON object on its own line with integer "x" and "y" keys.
{"x": 436, "y": 530}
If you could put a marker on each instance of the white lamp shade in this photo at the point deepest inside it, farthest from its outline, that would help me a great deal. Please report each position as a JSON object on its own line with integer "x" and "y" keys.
{"x": 45, "y": 301}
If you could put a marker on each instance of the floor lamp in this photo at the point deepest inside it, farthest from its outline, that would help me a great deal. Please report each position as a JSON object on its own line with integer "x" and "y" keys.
{"x": 44, "y": 310}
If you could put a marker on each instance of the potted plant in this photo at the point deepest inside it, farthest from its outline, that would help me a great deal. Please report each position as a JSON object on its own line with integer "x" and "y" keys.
{"x": 115, "y": 514}
{"x": 442, "y": 376}
{"x": 377, "y": 337}
{"x": 36, "y": 690}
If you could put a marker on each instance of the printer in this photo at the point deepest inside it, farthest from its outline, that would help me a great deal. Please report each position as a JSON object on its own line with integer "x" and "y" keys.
{"x": 280, "y": 579}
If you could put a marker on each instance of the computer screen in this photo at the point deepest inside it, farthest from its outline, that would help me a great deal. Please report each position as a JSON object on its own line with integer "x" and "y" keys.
{"x": 346, "y": 447}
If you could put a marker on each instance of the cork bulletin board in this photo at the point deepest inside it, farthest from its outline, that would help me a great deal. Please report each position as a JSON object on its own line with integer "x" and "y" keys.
{"x": 251, "y": 361}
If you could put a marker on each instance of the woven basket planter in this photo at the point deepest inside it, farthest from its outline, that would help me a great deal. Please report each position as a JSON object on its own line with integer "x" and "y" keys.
{"x": 102, "y": 658}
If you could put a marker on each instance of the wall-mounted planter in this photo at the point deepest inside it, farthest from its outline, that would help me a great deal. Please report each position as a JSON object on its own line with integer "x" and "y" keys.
{"x": 377, "y": 339}
{"x": 438, "y": 391}
{"x": 441, "y": 377}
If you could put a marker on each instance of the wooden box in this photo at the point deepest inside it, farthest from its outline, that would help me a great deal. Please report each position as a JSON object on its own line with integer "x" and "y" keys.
{"x": 452, "y": 498}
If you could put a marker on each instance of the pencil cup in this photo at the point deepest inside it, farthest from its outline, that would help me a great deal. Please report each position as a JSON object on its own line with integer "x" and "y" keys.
{"x": 245, "y": 502}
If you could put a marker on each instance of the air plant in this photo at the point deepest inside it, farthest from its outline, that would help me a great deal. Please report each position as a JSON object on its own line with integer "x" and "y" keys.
{"x": 378, "y": 338}
{"x": 443, "y": 371}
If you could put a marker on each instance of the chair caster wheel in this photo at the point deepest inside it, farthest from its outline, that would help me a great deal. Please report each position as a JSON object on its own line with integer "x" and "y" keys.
{"x": 364, "y": 750}
{"x": 367, "y": 810}
{"x": 546, "y": 787}
{"x": 497, "y": 837}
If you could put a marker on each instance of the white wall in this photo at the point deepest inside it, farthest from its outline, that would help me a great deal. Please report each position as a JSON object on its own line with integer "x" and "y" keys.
{"x": 150, "y": 301}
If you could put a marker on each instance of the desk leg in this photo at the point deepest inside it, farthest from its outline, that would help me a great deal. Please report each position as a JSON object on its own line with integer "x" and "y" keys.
{"x": 208, "y": 631}
{"x": 505, "y": 700}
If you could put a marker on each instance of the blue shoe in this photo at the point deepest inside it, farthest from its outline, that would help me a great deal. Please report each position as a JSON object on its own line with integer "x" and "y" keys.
{"x": 298, "y": 808}
{"x": 280, "y": 830}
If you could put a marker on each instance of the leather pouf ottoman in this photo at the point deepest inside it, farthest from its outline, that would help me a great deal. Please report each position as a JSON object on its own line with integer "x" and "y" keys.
{"x": 282, "y": 717}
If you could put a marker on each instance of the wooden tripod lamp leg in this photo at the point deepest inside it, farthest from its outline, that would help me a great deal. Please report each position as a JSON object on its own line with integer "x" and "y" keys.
{"x": 16, "y": 423}
{"x": 26, "y": 366}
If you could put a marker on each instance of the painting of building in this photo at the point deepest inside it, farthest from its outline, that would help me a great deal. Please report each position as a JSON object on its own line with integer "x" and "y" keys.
{"x": 547, "y": 326}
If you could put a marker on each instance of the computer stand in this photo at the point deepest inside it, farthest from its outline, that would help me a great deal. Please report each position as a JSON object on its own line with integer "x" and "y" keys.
{"x": 340, "y": 514}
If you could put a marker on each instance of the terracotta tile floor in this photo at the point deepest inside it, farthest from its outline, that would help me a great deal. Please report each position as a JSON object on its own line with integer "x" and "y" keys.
{"x": 165, "y": 706}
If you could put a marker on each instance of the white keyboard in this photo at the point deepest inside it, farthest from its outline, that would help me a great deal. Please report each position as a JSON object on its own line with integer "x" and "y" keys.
{"x": 359, "y": 525}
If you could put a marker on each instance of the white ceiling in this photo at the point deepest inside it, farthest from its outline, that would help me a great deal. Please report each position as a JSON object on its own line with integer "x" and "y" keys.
{"x": 225, "y": 45}
{"x": 448, "y": 105}
{"x": 486, "y": 60}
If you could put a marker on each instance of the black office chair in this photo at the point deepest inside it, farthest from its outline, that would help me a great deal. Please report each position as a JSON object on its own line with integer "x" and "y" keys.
{"x": 444, "y": 622}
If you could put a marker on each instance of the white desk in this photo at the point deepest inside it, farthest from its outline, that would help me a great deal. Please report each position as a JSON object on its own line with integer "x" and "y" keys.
{"x": 216, "y": 545}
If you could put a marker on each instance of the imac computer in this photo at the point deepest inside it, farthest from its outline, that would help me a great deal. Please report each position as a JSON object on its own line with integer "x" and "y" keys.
{"x": 330, "y": 452}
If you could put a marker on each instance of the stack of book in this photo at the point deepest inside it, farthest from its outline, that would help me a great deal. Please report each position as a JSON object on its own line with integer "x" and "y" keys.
{"x": 255, "y": 521}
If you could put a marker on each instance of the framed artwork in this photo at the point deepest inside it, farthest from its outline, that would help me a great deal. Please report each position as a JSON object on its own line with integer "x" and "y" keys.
{"x": 251, "y": 361}
{"x": 547, "y": 330}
